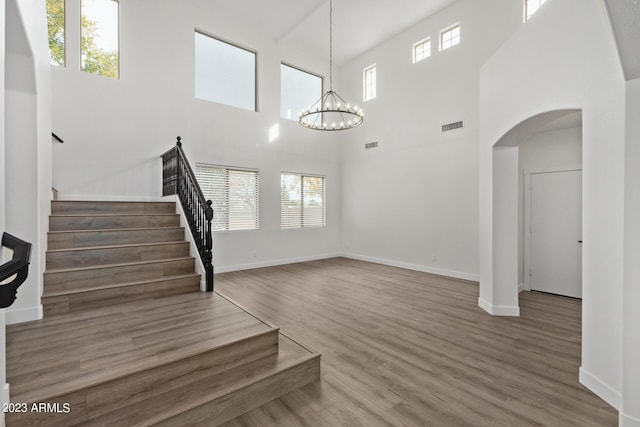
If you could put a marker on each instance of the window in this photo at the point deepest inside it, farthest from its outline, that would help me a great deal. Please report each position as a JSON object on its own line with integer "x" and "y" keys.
{"x": 55, "y": 26}
{"x": 234, "y": 193}
{"x": 450, "y": 37}
{"x": 370, "y": 82}
{"x": 99, "y": 37}
{"x": 531, "y": 7}
{"x": 301, "y": 201}
{"x": 225, "y": 73}
{"x": 298, "y": 90}
{"x": 421, "y": 50}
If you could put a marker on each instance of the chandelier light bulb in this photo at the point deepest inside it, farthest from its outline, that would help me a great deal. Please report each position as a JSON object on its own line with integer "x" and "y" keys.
{"x": 330, "y": 105}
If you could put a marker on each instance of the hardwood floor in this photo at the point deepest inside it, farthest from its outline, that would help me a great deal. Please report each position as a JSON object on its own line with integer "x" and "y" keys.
{"x": 401, "y": 347}
{"x": 128, "y": 339}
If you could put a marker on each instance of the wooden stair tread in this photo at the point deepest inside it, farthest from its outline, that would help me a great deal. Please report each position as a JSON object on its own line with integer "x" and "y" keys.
{"x": 122, "y": 264}
{"x": 64, "y": 353}
{"x": 99, "y": 230}
{"x": 110, "y": 215}
{"x": 208, "y": 389}
{"x": 109, "y": 201}
{"x": 117, "y": 285}
{"x": 140, "y": 202}
{"x": 126, "y": 245}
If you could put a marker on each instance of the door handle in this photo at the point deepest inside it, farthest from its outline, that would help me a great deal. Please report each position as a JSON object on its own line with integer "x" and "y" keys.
{"x": 579, "y": 241}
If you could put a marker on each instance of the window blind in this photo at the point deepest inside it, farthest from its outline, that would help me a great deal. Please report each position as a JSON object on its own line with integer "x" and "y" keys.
{"x": 301, "y": 201}
{"x": 234, "y": 193}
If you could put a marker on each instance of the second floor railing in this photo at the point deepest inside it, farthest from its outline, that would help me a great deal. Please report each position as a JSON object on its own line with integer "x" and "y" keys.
{"x": 178, "y": 178}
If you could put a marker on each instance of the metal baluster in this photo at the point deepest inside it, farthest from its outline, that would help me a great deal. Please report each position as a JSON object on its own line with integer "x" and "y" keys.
{"x": 208, "y": 254}
{"x": 178, "y": 178}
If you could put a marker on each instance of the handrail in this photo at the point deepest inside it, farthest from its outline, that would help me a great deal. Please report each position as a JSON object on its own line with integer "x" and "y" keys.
{"x": 18, "y": 266}
{"x": 57, "y": 138}
{"x": 178, "y": 178}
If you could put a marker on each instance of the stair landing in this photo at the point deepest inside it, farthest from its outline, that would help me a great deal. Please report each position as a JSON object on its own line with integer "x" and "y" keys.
{"x": 117, "y": 364}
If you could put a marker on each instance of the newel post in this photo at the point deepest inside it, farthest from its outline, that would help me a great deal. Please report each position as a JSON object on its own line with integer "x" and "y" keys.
{"x": 208, "y": 253}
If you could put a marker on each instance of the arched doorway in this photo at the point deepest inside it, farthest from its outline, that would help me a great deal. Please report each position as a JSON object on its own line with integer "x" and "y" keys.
{"x": 512, "y": 251}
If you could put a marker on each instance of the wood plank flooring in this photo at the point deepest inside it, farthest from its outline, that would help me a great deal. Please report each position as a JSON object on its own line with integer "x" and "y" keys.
{"x": 63, "y": 353}
{"x": 407, "y": 348}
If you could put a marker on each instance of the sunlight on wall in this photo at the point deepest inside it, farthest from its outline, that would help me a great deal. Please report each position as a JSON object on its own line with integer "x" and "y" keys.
{"x": 274, "y": 132}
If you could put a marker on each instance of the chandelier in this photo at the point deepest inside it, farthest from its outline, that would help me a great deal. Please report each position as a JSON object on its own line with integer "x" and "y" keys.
{"x": 331, "y": 112}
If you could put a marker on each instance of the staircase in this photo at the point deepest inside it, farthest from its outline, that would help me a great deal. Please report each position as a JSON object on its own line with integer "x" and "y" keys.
{"x": 104, "y": 253}
{"x": 127, "y": 337}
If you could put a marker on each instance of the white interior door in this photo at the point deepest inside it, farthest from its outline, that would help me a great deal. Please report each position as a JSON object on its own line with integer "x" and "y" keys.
{"x": 556, "y": 233}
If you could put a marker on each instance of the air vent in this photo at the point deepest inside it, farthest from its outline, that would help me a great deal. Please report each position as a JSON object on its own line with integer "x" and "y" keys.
{"x": 371, "y": 145}
{"x": 452, "y": 126}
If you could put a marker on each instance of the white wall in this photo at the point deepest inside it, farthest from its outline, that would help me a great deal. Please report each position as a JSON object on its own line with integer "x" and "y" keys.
{"x": 27, "y": 144}
{"x": 25, "y": 151}
{"x": 413, "y": 201}
{"x": 115, "y": 130}
{"x": 565, "y": 58}
{"x": 630, "y": 411}
{"x": 2, "y": 124}
{"x": 4, "y": 387}
{"x": 548, "y": 150}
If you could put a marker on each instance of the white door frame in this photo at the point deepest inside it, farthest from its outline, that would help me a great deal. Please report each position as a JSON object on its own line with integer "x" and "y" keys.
{"x": 527, "y": 215}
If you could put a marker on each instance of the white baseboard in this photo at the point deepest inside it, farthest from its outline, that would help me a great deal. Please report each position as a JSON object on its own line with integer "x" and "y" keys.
{"x": 107, "y": 198}
{"x": 600, "y": 388}
{"x": 415, "y": 267}
{"x": 273, "y": 263}
{"x": 499, "y": 310}
{"x": 628, "y": 421}
{"x": 4, "y": 395}
{"x": 521, "y": 287}
{"x": 22, "y": 315}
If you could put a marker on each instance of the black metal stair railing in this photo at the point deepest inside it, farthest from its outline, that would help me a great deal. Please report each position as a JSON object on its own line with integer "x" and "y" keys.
{"x": 178, "y": 178}
{"x": 18, "y": 266}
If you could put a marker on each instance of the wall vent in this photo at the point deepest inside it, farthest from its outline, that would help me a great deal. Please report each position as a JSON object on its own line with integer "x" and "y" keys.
{"x": 452, "y": 126}
{"x": 371, "y": 145}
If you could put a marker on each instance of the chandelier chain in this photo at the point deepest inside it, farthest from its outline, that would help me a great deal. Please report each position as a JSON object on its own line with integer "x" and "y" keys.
{"x": 331, "y": 45}
{"x": 331, "y": 112}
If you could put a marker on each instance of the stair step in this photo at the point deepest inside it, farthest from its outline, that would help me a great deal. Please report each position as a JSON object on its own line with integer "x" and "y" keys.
{"x": 131, "y": 355}
{"x": 87, "y": 298}
{"x": 74, "y": 278}
{"x": 80, "y": 239}
{"x": 127, "y": 339}
{"x": 215, "y": 399}
{"x": 102, "y": 222}
{"x": 61, "y": 207}
{"x": 95, "y": 256}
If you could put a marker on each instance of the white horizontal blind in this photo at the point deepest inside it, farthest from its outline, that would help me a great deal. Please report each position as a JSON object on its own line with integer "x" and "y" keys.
{"x": 234, "y": 193}
{"x": 301, "y": 201}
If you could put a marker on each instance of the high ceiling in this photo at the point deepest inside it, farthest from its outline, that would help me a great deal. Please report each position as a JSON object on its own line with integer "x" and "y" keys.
{"x": 358, "y": 25}
{"x": 625, "y": 20}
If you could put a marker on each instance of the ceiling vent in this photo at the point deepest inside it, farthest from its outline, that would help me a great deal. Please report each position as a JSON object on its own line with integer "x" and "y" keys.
{"x": 452, "y": 126}
{"x": 371, "y": 145}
